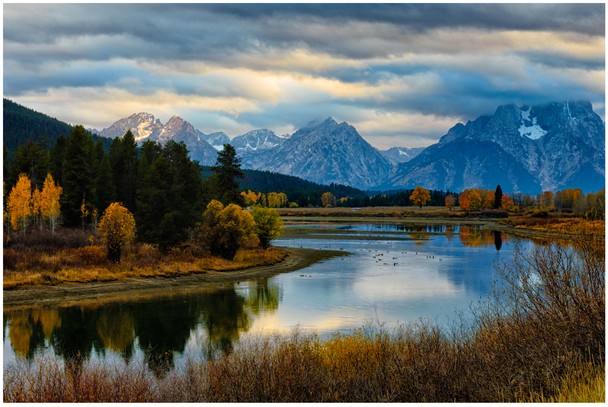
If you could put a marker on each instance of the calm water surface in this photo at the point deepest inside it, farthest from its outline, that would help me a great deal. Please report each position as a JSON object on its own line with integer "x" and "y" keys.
{"x": 394, "y": 274}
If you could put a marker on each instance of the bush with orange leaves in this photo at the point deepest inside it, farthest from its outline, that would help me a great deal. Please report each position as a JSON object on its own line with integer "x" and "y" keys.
{"x": 117, "y": 230}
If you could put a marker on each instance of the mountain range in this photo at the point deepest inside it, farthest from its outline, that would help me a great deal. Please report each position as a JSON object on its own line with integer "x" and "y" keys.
{"x": 523, "y": 148}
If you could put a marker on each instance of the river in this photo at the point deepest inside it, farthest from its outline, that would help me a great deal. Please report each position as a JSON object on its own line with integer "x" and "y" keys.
{"x": 391, "y": 274}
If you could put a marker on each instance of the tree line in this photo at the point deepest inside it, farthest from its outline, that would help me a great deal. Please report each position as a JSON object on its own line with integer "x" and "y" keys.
{"x": 591, "y": 206}
{"x": 155, "y": 192}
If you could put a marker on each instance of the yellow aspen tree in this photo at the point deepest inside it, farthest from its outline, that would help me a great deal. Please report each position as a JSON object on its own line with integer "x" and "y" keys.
{"x": 488, "y": 200}
{"x": 117, "y": 230}
{"x": 36, "y": 203}
{"x": 84, "y": 212}
{"x": 420, "y": 196}
{"x": 50, "y": 209}
{"x": 268, "y": 225}
{"x": 449, "y": 202}
{"x": 19, "y": 203}
{"x": 507, "y": 203}
{"x": 328, "y": 200}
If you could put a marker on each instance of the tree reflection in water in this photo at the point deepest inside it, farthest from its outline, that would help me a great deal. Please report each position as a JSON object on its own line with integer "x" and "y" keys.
{"x": 162, "y": 328}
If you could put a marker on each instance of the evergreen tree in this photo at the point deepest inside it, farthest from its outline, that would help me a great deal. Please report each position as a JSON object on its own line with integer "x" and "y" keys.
{"x": 56, "y": 157}
{"x": 169, "y": 197}
{"x": 123, "y": 160}
{"x": 32, "y": 159}
{"x": 497, "y": 197}
{"x": 105, "y": 192}
{"x": 227, "y": 171}
{"x": 77, "y": 175}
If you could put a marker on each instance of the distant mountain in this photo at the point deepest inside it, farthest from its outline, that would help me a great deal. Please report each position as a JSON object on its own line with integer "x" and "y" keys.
{"x": 530, "y": 148}
{"x": 326, "y": 152}
{"x": 217, "y": 139}
{"x": 398, "y": 155}
{"x": 145, "y": 126}
{"x": 256, "y": 140}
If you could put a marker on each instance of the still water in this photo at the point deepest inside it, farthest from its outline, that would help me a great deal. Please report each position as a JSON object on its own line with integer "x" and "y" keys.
{"x": 392, "y": 275}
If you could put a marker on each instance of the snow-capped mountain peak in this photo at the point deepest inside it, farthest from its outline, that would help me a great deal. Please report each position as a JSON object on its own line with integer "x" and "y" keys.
{"x": 143, "y": 126}
{"x": 255, "y": 140}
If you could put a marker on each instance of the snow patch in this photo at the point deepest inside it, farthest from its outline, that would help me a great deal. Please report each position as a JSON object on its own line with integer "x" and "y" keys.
{"x": 529, "y": 127}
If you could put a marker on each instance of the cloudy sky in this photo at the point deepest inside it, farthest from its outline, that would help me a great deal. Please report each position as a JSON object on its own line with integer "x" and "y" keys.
{"x": 402, "y": 74}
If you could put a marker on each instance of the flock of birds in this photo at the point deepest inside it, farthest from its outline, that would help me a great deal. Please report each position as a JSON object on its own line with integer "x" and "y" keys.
{"x": 379, "y": 258}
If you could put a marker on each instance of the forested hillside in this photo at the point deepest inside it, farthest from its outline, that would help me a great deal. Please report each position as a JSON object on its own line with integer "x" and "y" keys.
{"x": 23, "y": 125}
{"x": 298, "y": 190}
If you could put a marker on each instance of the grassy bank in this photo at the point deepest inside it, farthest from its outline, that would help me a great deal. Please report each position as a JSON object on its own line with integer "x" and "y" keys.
{"x": 25, "y": 266}
{"x": 541, "y": 339}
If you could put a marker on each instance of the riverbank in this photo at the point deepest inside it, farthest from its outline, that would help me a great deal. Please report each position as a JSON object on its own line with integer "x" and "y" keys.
{"x": 157, "y": 286}
{"x": 549, "y": 227}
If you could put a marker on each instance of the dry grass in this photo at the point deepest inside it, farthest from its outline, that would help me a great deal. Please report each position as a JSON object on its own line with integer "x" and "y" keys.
{"x": 559, "y": 226}
{"x": 585, "y": 384}
{"x": 31, "y": 266}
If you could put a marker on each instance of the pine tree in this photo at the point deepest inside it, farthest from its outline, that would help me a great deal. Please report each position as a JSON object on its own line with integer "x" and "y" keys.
{"x": 105, "y": 192}
{"x": 56, "y": 157}
{"x": 169, "y": 194}
{"x": 78, "y": 179}
{"x": 123, "y": 160}
{"x": 32, "y": 159}
{"x": 227, "y": 172}
{"x": 498, "y": 197}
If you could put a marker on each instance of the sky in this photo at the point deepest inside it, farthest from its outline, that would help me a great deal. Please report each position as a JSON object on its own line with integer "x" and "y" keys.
{"x": 401, "y": 74}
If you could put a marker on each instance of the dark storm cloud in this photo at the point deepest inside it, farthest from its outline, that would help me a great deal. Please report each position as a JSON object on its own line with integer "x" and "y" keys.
{"x": 420, "y": 17}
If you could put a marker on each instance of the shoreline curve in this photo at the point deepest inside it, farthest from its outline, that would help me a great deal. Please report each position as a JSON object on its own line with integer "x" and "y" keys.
{"x": 69, "y": 294}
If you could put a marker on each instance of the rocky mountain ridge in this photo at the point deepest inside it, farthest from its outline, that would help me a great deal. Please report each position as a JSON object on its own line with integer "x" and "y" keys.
{"x": 525, "y": 149}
